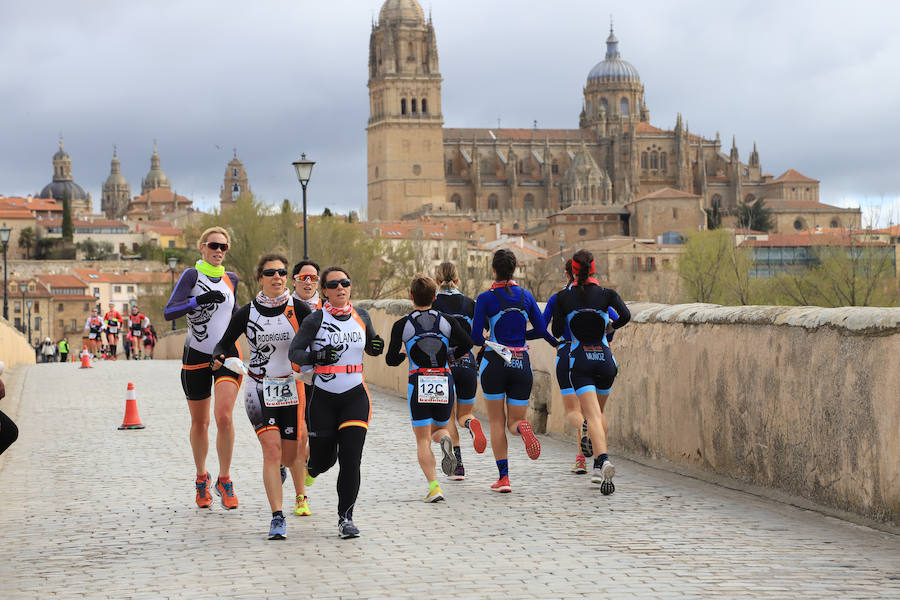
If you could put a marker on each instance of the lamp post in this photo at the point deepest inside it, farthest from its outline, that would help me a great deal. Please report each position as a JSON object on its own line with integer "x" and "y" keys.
{"x": 22, "y": 288}
{"x": 28, "y": 303}
{"x": 173, "y": 261}
{"x": 304, "y": 170}
{"x": 4, "y": 239}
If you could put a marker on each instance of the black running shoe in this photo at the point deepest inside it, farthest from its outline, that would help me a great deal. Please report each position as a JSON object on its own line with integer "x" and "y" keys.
{"x": 587, "y": 448}
{"x": 346, "y": 529}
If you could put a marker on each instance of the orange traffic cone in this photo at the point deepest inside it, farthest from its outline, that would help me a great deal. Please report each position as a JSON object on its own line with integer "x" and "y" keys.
{"x": 132, "y": 420}
{"x": 85, "y": 361}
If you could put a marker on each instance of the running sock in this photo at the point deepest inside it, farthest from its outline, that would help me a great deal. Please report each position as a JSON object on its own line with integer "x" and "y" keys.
{"x": 598, "y": 461}
{"x": 277, "y": 513}
{"x": 202, "y": 478}
{"x": 458, "y": 454}
{"x": 432, "y": 485}
{"x": 503, "y": 467}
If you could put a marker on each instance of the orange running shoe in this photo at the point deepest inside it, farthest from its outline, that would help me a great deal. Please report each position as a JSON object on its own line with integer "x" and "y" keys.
{"x": 532, "y": 444}
{"x": 225, "y": 490}
{"x": 502, "y": 485}
{"x": 204, "y": 499}
{"x": 479, "y": 441}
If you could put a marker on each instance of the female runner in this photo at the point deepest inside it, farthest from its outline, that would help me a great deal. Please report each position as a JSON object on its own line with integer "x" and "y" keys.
{"x": 275, "y": 402}
{"x": 333, "y": 339}
{"x": 205, "y": 295}
{"x": 592, "y": 369}
{"x": 505, "y": 368}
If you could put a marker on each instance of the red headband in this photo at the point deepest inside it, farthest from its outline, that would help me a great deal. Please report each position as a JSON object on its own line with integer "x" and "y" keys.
{"x": 576, "y": 266}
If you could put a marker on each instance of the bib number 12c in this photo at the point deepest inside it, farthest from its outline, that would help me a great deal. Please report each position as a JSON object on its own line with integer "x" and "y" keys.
{"x": 433, "y": 389}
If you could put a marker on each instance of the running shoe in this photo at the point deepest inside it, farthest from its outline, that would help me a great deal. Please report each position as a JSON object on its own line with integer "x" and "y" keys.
{"x": 346, "y": 529}
{"x": 283, "y": 474}
{"x": 448, "y": 463}
{"x": 309, "y": 480}
{"x": 604, "y": 475}
{"x": 302, "y": 506}
{"x": 502, "y": 485}
{"x": 532, "y": 444}
{"x": 225, "y": 490}
{"x": 587, "y": 448}
{"x": 478, "y": 439}
{"x": 204, "y": 498}
{"x": 278, "y": 528}
{"x": 434, "y": 495}
{"x": 580, "y": 467}
{"x": 459, "y": 473}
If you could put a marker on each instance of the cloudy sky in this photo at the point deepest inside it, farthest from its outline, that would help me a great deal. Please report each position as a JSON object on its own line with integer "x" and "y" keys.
{"x": 814, "y": 84}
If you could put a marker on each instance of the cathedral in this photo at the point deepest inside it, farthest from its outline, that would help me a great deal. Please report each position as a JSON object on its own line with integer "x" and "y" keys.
{"x": 63, "y": 185}
{"x": 616, "y": 170}
{"x": 156, "y": 201}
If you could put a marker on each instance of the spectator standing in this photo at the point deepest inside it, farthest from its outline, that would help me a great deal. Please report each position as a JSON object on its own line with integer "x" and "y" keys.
{"x": 63, "y": 350}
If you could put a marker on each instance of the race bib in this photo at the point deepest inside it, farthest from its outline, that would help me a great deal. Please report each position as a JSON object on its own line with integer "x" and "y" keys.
{"x": 113, "y": 330}
{"x": 92, "y": 336}
{"x": 433, "y": 389}
{"x": 280, "y": 391}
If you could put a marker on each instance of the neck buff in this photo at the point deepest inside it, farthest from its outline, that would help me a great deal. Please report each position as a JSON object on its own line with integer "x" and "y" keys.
{"x": 209, "y": 270}
{"x": 337, "y": 311}
{"x": 449, "y": 292}
{"x": 503, "y": 284}
{"x": 280, "y": 300}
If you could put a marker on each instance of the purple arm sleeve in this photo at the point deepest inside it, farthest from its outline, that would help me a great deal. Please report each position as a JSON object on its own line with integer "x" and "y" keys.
{"x": 180, "y": 302}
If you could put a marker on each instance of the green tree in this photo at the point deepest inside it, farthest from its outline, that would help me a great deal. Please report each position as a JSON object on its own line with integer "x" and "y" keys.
{"x": 854, "y": 275}
{"x": 701, "y": 267}
{"x": 755, "y": 215}
{"x": 68, "y": 229}
{"x": 713, "y": 217}
{"x": 94, "y": 250}
{"x": 27, "y": 240}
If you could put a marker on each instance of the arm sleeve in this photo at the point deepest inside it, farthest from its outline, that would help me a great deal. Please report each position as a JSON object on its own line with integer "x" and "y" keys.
{"x": 234, "y": 282}
{"x": 180, "y": 302}
{"x": 236, "y": 327}
{"x": 537, "y": 321}
{"x": 371, "y": 334}
{"x": 87, "y": 324}
{"x": 558, "y": 320}
{"x": 478, "y": 322}
{"x": 548, "y": 309}
{"x": 300, "y": 353}
{"x": 459, "y": 339}
{"x": 146, "y": 322}
{"x": 394, "y": 356}
{"x": 619, "y": 305}
{"x": 301, "y": 309}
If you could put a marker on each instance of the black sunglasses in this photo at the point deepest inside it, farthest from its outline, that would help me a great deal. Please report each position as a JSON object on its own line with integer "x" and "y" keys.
{"x": 272, "y": 272}
{"x": 216, "y": 245}
{"x": 334, "y": 283}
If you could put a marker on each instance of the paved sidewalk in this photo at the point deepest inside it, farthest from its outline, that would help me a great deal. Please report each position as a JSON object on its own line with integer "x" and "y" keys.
{"x": 89, "y": 511}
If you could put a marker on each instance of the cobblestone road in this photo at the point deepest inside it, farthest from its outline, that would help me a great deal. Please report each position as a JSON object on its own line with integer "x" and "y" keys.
{"x": 89, "y": 511}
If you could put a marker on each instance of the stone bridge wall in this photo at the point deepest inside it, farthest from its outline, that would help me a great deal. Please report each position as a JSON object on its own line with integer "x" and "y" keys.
{"x": 14, "y": 347}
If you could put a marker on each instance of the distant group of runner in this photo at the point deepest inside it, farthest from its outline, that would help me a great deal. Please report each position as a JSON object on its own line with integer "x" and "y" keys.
{"x": 306, "y": 396}
{"x": 103, "y": 334}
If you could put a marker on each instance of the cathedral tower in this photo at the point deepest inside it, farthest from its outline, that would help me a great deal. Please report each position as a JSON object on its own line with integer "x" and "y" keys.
{"x": 116, "y": 191}
{"x": 614, "y": 94}
{"x": 405, "y": 128}
{"x": 155, "y": 177}
{"x": 234, "y": 185}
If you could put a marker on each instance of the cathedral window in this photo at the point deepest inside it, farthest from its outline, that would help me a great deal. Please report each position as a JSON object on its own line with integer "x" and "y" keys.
{"x": 449, "y": 169}
{"x": 604, "y": 104}
{"x": 798, "y": 224}
{"x": 644, "y": 162}
{"x": 654, "y": 160}
{"x": 492, "y": 202}
{"x": 674, "y": 213}
{"x": 623, "y": 106}
{"x": 236, "y": 188}
{"x": 834, "y": 224}
{"x": 529, "y": 201}
{"x": 403, "y": 106}
{"x": 663, "y": 160}
{"x": 456, "y": 199}
{"x": 413, "y": 106}
{"x": 520, "y": 167}
{"x": 716, "y": 201}
{"x": 424, "y": 106}
{"x": 582, "y": 232}
{"x": 554, "y": 167}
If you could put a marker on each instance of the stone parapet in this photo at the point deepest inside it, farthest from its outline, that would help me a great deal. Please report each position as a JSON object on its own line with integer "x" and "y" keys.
{"x": 14, "y": 347}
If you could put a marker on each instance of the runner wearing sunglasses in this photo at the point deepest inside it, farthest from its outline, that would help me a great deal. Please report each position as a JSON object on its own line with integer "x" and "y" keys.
{"x": 333, "y": 339}
{"x": 306, "y": 283}
{"x": 274, "y": 400}
{"x": 204, "y": 295}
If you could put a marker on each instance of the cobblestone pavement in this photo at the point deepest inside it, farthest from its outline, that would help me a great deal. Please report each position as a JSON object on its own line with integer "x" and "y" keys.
{"x": 89, "y": 511}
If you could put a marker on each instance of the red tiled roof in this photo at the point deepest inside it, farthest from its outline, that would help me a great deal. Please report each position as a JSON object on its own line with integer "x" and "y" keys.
{"x": 893, "y": 230}
{"x": 61, "y": 281}
{"x": 165, "y": 229}
{"x": 669, "y": 193}
{"x": 160, "y": 196}
{"x": 792, "y": 176}
{"x": 15, "y": 213}
{"x": 33, "y": 204}
{"x": 40, "y": 290}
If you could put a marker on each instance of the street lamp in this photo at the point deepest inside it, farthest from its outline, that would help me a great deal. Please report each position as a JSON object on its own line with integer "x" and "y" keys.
{"x": 4, "y": 239}
{"x": 304, "y": 170}
{"x": 173, "y": 261}
{"x": 28, "y": 303}
{"x": 22, "y": 288}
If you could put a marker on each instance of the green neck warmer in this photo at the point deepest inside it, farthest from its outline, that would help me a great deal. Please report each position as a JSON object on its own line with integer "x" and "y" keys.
{"x": 209, "y": 270}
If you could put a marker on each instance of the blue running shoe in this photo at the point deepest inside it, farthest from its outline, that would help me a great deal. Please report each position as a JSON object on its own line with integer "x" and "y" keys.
{"x": 346, "y": 529}
{"x": 278, "y": 529}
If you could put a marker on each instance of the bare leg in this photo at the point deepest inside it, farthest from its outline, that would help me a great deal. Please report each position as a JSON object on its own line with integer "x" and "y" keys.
{"x": 226, "y": 393}
{"x": 497, "y": 417}
{"x": 271, "y": 449}
{"x": 424, "y": 453}
{"x": 199, "y": 433}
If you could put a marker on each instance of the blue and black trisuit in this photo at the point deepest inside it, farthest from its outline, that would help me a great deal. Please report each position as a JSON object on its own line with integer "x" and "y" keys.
{"x": 584, "y": 310}
{"x": 428, "y": 336}
{"x": 505, "y": 313}
{"x": 464, "y": 369}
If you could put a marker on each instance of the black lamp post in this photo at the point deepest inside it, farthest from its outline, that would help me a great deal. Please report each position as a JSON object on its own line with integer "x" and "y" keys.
{"x": 28, "y": 303}
{"x": 304, "y": 170}
{"x": 22, "y": 288}
{"x": 173, "y": 261}
{"x": 4, "y": 239}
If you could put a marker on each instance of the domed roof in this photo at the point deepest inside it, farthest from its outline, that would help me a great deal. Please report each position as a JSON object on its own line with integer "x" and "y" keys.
{"x": 155, "y": 177}
{"x": 115, "y": 172}
{"x": 613, "y": 68}
{"x": 60, "y": 154}
{"x": 58, "y": 190}
{"x": 401, "y": 10}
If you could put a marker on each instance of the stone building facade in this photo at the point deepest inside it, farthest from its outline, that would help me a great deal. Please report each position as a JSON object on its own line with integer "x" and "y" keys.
{"x": 521, "y": 177}
{"x": 116, "y": 191}
{"x": 234, "y": 185}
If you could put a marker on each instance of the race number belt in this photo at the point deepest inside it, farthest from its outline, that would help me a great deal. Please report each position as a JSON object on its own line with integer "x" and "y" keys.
{"x": 280, "y": 391}
{"x": 113, "y": 329}
{"x": 338, "y": 369}
{"x": 429, "y": 371}
{"x": 433, "y": 389}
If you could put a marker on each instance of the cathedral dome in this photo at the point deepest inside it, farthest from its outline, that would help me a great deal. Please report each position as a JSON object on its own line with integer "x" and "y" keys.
{"x": 115, "y": 172}
{"x": 59, "y": 189}
{"x": 155, "y": 177}
{"x": 401, "y": 11}
{"x": 613, "y": 68}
